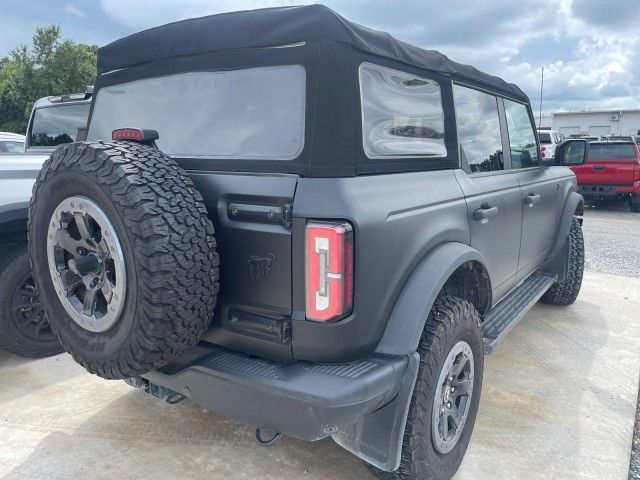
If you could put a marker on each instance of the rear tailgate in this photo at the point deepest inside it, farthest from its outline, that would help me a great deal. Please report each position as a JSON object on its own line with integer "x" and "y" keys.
{"x": 609, "y": 164}
{"x": 251, "y": 216}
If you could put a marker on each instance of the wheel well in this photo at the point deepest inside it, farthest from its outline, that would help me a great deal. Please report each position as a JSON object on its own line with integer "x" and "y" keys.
{"x": 471, "y": 282}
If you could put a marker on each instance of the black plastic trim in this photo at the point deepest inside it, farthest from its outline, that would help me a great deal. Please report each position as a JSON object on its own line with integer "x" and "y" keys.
{"x": 306, "y": 400}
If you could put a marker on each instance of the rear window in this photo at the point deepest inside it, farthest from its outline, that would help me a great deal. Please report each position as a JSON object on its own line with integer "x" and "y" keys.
{"x": 544, "y": 137}
{"x": 402, "y": 114}
{"x": 611, "y": 151}
{"x": 255, "y": 113}
{"x": 59, "y": 124}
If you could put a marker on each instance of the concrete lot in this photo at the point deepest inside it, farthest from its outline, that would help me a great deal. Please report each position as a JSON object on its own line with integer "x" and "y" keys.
{"x": 558, "y": 402}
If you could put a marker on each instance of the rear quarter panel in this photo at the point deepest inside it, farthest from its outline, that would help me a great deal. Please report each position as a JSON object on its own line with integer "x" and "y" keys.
{"x": 397, "y": 220}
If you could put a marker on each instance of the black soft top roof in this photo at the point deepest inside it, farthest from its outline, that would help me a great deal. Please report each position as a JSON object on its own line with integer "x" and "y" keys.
{"x": 280, "y": 26}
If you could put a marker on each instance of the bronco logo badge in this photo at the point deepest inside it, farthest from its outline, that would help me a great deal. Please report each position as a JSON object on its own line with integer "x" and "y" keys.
{"x": 260, "y": 265}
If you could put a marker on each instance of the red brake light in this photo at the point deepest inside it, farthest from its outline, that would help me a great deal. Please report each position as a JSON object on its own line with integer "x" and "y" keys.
{"x": 329, "y": 271}
{"x": 542, "y": 151}
{"x": 135, "y": 134}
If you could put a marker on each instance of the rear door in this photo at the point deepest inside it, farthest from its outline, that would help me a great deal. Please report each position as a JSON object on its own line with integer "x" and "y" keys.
{"x": 539, "y": 187}
{"x": 610, "y": 163}
{"x": 491, "y": 191}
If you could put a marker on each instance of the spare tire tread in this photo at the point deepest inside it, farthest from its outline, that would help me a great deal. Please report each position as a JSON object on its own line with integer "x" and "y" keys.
{"x": 176, "y": 262}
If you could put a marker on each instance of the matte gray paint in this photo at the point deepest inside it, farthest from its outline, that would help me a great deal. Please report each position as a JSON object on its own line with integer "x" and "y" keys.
{"x": 407, "y": 319}
{"x": 497, "y": 239}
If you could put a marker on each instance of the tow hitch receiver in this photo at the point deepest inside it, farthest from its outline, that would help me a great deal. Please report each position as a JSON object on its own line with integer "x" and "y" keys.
{"x": 157, "y": 391}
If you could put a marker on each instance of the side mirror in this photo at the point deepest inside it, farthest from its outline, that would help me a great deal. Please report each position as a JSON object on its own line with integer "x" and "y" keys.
{"x": 572, "y": 152}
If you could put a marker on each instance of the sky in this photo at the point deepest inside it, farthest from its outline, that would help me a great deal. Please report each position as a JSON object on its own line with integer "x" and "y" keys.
{"x": 590, "y": 49}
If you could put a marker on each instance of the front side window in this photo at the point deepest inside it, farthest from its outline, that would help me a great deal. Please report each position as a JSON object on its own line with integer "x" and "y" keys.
{"x": 254, "y": 113}
{"x": 59, "y": 124}
{"x": 478, "y": 129}
{"x": 522, "y": 139}
{"x": 402, "y": 114}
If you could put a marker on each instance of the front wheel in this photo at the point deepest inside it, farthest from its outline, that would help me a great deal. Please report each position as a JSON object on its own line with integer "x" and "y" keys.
{"x": 565, "y": 292}
{"x": 445, "y": 399}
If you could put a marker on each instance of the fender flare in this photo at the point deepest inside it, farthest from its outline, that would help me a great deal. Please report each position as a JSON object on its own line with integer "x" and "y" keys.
{"x": 414, "y": 303}
{"x": 572, "y": 203}
{"x": 14, "y": 211}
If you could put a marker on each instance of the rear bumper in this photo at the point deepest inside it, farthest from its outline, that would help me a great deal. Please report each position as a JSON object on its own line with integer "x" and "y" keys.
{"x": 301, "y": 399}
{"x": 609, "y": 190}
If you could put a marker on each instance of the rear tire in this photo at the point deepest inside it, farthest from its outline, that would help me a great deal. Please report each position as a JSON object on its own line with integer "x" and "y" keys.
{"x": 452, "y": 322}
{"x": 123, "y": 221}
{"x": 566, "y": 291}
{"x": 635, "y": 204}
{"x": 24, "y": 328}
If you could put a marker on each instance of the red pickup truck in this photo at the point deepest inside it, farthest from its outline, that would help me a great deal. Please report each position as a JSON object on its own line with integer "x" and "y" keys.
{"x": 611, "y": 172}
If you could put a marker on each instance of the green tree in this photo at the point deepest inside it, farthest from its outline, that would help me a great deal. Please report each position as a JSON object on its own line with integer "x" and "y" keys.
{"x": 52, "y": 66}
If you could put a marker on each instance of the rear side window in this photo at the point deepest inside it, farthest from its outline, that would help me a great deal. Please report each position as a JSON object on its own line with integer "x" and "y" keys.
{"x": 611, "y": 151}
{"x": 478, "y": 129}
{"x": 255, "y": 113}
{"x": 12, "y": 147}
{"x": 59, "y": 124}
{"x": 522, "y": 140}
{"x": 544, "y": 137}
{"x": 402, "y": 114}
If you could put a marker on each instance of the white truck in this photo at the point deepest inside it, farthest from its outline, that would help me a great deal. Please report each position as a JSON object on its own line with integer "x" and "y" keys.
{"x": 55, "y": 120}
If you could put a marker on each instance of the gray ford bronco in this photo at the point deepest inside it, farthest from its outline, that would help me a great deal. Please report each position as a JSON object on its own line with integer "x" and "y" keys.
{"x": 305, "y": 225}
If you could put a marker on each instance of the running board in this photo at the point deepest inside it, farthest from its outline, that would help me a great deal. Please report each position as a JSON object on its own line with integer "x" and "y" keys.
{"x": 508, "y": 312}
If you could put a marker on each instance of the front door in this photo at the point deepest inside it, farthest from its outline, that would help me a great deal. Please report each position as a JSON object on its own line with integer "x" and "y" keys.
{"x": 492, "y": 193}
{"x": 539, "y": 188}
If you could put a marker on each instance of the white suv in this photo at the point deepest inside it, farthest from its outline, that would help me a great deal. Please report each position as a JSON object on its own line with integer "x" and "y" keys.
{"x": 548, "y": 141}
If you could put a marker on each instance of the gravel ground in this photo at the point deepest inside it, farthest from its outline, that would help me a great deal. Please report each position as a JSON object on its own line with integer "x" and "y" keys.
{"x": 612, "y": 240}
{"x": 612, "y": 244}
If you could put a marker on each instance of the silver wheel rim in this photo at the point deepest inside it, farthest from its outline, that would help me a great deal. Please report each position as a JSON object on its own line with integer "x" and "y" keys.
{"x": 86, "y": 264}
{"x": 452, "y": 397}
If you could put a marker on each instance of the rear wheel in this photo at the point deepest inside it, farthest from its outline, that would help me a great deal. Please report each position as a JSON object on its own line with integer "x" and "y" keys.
{"x": 446, "y": 396}
{"x": 124, "y": 256}
{"x": 566, "y": 291}
{"x": 635, "y": 203}
{"x": 24, "y": 328}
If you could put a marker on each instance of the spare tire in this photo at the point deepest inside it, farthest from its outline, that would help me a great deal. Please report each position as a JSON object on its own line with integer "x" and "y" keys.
{"x": 123, "y": 255}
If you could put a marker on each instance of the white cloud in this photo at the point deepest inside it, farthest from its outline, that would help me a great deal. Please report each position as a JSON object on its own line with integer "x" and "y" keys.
{"x": 71, "y": 9}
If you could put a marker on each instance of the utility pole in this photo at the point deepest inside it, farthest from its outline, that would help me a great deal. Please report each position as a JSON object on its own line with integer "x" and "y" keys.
{"x": 540, "y": 112}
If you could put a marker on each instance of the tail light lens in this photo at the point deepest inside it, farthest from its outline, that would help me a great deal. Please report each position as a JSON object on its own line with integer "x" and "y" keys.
{"x": 543, "y": 152}
{"x": 329, "y": 271}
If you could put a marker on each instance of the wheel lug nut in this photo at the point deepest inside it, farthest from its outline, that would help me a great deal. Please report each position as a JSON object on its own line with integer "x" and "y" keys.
{"x": 448, "y": 404}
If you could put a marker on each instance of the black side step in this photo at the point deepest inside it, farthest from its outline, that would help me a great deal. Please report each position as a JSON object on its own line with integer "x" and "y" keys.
{"x": 508, "y": 312}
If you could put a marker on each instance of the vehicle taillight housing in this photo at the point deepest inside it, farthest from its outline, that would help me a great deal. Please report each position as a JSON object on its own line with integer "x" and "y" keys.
{"x": 329, "y": 270}
{"x": 543, "y": 152}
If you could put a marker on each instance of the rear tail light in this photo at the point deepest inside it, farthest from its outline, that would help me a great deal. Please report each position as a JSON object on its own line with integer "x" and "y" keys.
{"x": 329, "y": 271}
{"x": 543, "y": 152}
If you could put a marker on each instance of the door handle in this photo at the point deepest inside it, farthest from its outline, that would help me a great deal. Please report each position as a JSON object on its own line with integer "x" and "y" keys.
{"x": 485, "y": 212}
{"x": 598, "y": 168}
{"x": 532, "y": 199}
